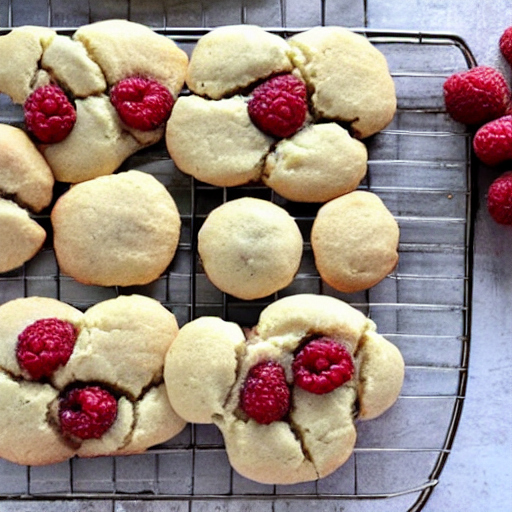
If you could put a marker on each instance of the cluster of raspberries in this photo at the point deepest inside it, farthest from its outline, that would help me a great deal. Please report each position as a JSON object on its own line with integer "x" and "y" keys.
{"x": 481, "y": 98}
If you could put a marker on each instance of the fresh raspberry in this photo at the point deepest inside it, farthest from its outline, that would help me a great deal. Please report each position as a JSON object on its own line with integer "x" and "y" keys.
{"x": 321, "y": 366}
{"x": 499, "y": 199}
{"x": 87, "y": 413}
{"x": 142, "y": 103}
{"x": 44, "y": 346}
{"x": 506, "y": 45}
{"x": 493, "y": 141}
{"x": 278, "y": 106}
{"x": 477, "y": 96}
{"x": 49, "y": 115}
{"x": 265, "y": 396}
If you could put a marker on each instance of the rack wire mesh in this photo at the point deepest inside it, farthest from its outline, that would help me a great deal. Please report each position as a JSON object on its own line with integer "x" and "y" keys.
{"x": 420, "y": 166}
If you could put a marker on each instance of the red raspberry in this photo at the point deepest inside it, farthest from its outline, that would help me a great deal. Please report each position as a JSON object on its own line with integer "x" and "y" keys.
{"x": 278, "y": 106}
{"x": 506, "y": 45}
{"x": 322, "y": 366}
{"x": 265, "y": 396}
{"x": 49, "y": 115}
{"x": 44, "y": 346}
{"x": 499, "y": 199}
{"x": 493, "y": 141}
{"x": 87, "y": 413}
{"x": 477, "y": 96}
{"x": 142, "y": 103}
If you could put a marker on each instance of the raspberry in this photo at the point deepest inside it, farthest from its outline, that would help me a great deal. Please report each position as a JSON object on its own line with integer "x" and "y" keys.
{"x": 142, "y": 103}
{"x": 87, "y": 413}
{"x": 477, "y": 96}
{"x": 49, "y": 115}
{"x": 44, "y": 346}
{"x": 506, "y": 45}
{"x": 499, "y": 199}
{"x": 278, "y": 106}
{"x": 322, "y": 366}
{"x": 493, "y": 141}
{"x": 265, "y": 396}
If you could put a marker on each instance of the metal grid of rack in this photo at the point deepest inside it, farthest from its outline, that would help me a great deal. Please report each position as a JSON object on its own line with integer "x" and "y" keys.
{"x": 421, "y": 167}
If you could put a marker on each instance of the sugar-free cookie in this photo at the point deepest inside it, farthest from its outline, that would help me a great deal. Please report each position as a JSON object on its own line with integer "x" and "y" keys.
{"x": 297, "y": 95}
{"x": 24, "y": 174}
{"x": 112, "y": 86}
{"x": 116, "y": 230}
{"x": 83, "y": 384}
{"x": 250, "y": 248}
{"x": 21, "y": 238}
{"x": 286, "y": 394}
{"x": 355, "y": 241}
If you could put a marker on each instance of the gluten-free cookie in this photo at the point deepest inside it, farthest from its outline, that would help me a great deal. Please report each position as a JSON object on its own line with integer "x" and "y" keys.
{"x": 117, "y": 230}
{"x": 286, "y": 394}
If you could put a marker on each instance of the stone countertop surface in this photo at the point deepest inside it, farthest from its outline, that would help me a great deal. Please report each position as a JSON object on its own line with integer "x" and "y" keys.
{"x": 478, "y": 472}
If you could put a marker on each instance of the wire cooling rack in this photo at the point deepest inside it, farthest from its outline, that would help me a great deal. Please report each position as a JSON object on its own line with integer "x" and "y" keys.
{"x": 420, "y": 166}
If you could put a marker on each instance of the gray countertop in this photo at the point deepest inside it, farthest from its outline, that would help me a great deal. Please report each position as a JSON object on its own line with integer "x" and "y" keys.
{"x": 478, "y": 472}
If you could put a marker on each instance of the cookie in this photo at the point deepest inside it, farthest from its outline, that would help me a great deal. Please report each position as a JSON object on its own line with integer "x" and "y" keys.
{"x": 306, "y": 108}
{"x": 250, "y": 248}
{"x": 117, "y": 230}
{"x": 349, "y": 78}
{"x": 24, "y": 174}
{"x": 355, "y": 241}
{"x": 21, "y": 237}
{"x": 252, "y": 53}
{"x": 215, "y": 141}
{"x": 115, "y": 80}
{"x": 112, "y": 356}
{"x": 285, "y": 395}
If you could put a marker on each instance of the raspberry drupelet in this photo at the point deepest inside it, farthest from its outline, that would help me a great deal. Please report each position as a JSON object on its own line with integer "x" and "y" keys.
{"x": 142, "y": 103}
{"x": 49, "y": 115}
{"x": 322, "y": 366}
{"x": 44, "y": 346}
{"x": 265, "y": 396}
{"x": 278, "y": 106}
{"x": 87, "y": 413}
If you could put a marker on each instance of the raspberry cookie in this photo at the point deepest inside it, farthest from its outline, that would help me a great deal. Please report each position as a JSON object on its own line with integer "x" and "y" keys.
{"x": 118, "y": 230}
{"x": 285, "y": 398}
{"x": 250, "y": 248}
{"x": 355, "y": 241}
{"x": 92, "y": 100}
{"x": 283, "y": 99}
{"x": 83, "y": 384}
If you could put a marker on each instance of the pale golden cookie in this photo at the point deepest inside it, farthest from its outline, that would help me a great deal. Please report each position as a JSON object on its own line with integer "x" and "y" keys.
{"x": 349, "y": 78}
{"x": 355, "y": 241}
{"x": 250, "y": 248}
{"x": 120, "y": 346}
{"x": 318, "y": 163}
{"x": 207, "y": 366}
{"x": 119, "y": 230}
{"x": 24, "y": 174}
{"x": 230, "y": 58}
{"x": 215, "y": 141}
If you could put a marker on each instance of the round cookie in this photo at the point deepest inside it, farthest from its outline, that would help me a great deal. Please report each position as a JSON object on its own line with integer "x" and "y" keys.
{"x": 317, "y": 434}
{"x": 355, "y": 241}
{"x": 250, "y": 248}
{"x": 24, "y": 174}
{"x": 349, "y": 78}
{"x": 21, "y": 237}
{"x": 117, "y": 230}
{"x": 215, "y": 141}
{"x": 252, "y": 54}
{"x": 119, "y": 345}
{"x": 318, "y": 163}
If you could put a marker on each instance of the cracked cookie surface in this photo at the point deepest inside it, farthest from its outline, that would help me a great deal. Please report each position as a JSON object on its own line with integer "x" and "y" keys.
{"x": 207, "y": 366}
{"x": 120, "y": 346}
{"x": 86, "y": 66}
